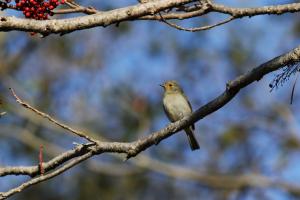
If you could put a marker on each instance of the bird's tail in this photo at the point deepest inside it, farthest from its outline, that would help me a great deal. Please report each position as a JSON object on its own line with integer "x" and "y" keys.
{"x": 192, "y": 139}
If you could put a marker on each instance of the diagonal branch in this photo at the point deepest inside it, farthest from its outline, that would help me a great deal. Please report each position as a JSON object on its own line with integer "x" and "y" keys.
{"x": 232, "y": 88}
{"x": 83, "y": 152}
{"x": 46, "y": 116}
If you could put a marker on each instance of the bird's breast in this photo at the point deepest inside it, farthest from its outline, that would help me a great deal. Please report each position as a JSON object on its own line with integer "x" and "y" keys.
{"x": 176, "y": 106}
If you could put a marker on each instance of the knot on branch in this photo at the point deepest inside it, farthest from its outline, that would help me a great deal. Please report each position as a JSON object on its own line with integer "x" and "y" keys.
{"x": 132, "y": 151}
{"x": 230, "y": 87}
{"x": 206, "y": 3}
{"x": 129, "y": 12}
{"x": 295, "y": 56}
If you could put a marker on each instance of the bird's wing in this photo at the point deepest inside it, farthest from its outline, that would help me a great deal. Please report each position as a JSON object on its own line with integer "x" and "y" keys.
{"x": 193, "y": 125}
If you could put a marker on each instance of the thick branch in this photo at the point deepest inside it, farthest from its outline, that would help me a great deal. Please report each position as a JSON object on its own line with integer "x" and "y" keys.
{"x": 78, "y": 23}
{"x": 249, "y": 12}
{"x": 145, "y": 11}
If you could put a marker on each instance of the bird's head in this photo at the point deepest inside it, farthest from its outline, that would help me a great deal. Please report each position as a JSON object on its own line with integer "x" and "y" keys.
{"x": 171, "y": 87}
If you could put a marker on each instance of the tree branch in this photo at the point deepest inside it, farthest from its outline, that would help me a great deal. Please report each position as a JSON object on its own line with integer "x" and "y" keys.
{"x": 103, "y": 19}
{"x": 249, "y": 12}
{"x": 144, "y": 11}
{"x": 196, "y": 29}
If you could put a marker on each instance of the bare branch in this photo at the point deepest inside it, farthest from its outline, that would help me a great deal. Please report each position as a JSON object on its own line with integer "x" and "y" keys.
{"x": 249, "y": 12}
{"x": 76, "y": 8}
{"x": 144, "y": 11}
{"x": 104, "y": 19}
{"x": 204, "y": 9}
{"x": 50, "y": 165}
{"x": 202, "y": 28}
{"x": 88, "y": 11}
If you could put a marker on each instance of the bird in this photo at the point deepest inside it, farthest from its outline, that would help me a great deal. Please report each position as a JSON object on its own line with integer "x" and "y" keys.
{"x": 177, "y": 106}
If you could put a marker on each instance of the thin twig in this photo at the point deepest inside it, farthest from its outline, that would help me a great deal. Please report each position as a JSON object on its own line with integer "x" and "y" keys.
{"x": 71, "y": 4}
{"x": 175, "y": 15}
{"x": 76, "y": 8}
{"x": 202, "y": 28}
{"x": 293, "y": 89}
{"x": 46, "y": 116}
{"x": 85, "y": 10}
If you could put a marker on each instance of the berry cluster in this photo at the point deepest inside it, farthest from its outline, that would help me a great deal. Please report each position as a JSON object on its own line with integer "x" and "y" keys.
{"x": 37, "y": 9}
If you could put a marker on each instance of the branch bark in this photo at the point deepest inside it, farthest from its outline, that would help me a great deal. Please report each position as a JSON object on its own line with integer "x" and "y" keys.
{"x": 146, "y": 11}
{"x": 103, "y": 19}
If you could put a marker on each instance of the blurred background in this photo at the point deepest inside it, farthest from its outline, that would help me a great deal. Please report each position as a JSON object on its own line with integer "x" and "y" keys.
{"x": 105, "y": 81}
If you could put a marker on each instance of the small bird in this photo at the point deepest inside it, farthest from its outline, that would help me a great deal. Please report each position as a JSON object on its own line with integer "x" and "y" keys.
{"x": 177, "y": 106}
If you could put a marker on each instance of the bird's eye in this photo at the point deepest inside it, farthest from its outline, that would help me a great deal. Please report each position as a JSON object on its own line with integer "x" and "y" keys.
{"x": 170, "y": 85}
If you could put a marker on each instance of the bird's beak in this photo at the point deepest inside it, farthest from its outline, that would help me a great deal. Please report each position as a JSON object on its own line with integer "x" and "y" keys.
{"x": 161, "y": 85}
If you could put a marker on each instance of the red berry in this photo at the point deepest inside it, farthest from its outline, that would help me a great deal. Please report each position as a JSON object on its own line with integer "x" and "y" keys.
{"x": 37, "y": 9}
